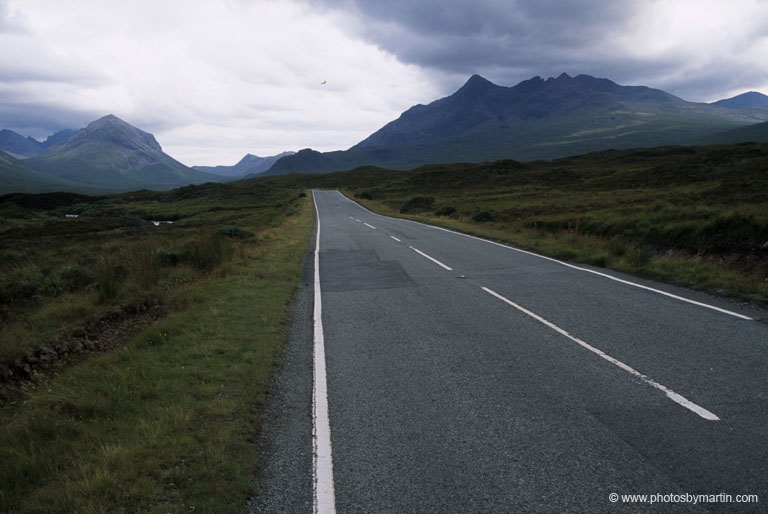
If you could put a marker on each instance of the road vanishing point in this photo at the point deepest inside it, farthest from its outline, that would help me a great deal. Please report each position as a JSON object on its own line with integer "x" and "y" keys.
{"x": 431, "y": 371}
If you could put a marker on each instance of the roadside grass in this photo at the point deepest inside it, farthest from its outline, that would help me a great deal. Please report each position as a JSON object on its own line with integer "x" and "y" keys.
{"x": 167, "y": 422}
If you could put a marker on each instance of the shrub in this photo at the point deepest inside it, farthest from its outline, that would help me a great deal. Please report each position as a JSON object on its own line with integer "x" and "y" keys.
{"x": 145, "y": 263}
{"x": 365, "y": 195}
{"x": 75, "y": 277}
{"x": 639, "y": 257}
{"x": 234, "y": 232}
{"x": 109, "y": 275}
{"x": 446, "y": 211}
{"x": 166, "y": 258}
{"x": 303, "y": 194}
{"x": 616, "y": 246}
{"x": 417, "y": 204}
{"x": 18, "y": 289}
{"x": 484, "y": 216}
{"x": 208, "y": 253}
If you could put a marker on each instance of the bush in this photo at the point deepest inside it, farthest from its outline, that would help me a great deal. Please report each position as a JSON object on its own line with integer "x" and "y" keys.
{"x": 417, "y": 204}
{"x": 365, "y": 195}
{"x": 145, "y": 263}
{"x": 109, "y": 275}
{"x": 75, "y": 277}
{"x": 167, "y": 259}
{"x": 234, "y": 232}
{"x": 639, "y": 257}
{"x": 448, "y": 210}
{"x": 18, "y": 289}
{"x": 303, "y": 194}
{"x": 208, "y": 253}
{"x": 484, "y": 216}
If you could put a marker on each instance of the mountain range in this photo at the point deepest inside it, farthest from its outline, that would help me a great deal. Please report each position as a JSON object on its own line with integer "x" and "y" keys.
{"x": 22, "y": 147}
{"x": 248, "y": 165}
{"x": 107, "y": 155}
{"x": 535, "y": 119}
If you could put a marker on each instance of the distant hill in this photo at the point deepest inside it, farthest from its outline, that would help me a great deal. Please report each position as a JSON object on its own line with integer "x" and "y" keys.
{"x": 22, "y": 147}
{"x": 58, "y": 137}
{"x": 18, "y": 177}
{"x": 757, "y": 133}
{"x": 750, "y": 100}
{"x": 112, "y": 155}
{"x": 536, "y": 119}
{"x": 17, "y": 145}
{"x": 248, "y": 165}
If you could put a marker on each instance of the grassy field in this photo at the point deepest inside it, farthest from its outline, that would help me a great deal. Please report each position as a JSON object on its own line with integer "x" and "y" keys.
{"x": 691, "y": 215}
{"x": 165, "y": 421}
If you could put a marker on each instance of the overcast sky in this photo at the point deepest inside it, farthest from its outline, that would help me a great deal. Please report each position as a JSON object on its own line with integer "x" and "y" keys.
{"x": 214, "y": 80}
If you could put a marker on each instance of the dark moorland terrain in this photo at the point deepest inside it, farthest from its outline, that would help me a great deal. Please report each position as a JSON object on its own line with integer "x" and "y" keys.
{"x": 135, "y": 357}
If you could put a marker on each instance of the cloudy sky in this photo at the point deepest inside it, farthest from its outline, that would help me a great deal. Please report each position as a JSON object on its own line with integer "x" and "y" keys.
{"x": 214, "y": 80}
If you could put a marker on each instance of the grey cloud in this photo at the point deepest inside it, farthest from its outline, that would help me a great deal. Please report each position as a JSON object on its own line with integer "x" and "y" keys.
{"x": 512, "y": 40}
{"x": 456, "y": 35}
{"x": 42, "y": 120}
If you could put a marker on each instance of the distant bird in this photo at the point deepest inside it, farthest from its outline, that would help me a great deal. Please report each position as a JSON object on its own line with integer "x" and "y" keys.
{"x": 323, "y": 82}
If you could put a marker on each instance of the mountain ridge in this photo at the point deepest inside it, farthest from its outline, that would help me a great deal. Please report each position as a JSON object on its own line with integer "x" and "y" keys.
{"x": 22, "y": 147}
{"x": 535, "y": 119}
{"x": 748, "y": 100}
{"x": 113, "y": 155}
{"x": 249, "y": 165}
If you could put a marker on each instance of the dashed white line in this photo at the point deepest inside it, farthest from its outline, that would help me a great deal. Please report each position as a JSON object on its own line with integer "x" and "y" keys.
{"x": 675, "y": 397}
{"x": 396, "y": 239}
{"x": 322, "y": 464}
{"x": 431, "y": 258}
{"x": 369, "y": 226}
{"x": 604, "y": 275}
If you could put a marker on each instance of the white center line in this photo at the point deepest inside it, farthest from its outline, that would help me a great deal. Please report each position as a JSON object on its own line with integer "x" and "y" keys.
{"x": 322, "y": 464}
{"x": 431, "y": 258}
{"x": 357, "y": 220}
{"x": 701, "y": 411}
{"x": 369, "y": 226}
{"x": 396, "y": 239}
{"x": 604, "y": 275}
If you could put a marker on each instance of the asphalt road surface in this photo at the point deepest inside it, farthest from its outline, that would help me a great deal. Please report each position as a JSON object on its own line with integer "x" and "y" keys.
{"x": 467, "y": 376}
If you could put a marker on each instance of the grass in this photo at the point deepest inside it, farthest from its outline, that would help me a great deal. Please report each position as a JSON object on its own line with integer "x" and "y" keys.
{"x": 166, "y": 422}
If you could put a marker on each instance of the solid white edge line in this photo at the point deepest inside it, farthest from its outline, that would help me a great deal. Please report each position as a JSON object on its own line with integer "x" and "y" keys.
{"x": 396, "y": 239}
{"x": 675, "y": 397}
{"x": 431, "y": 258}
{"x": 604, "y": 275}
{"x": 369, "y": 226}
{"x": 322, "y": 464}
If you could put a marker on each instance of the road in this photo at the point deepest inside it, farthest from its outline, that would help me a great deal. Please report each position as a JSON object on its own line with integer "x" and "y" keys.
{"x": 467, "y": 376}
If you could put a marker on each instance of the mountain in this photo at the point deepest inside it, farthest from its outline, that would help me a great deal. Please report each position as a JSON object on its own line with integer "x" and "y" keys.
{"x": 17, "y": 177}
{"x": 17, "y": 145}
{"x": 22, "y": 147}
{"x": 750, "y": 100}
{"x": 58, "y": 137}
{"x": 112, "y": 155}
{"x": 248, "y": 165}
{"x": 536, "y": 119}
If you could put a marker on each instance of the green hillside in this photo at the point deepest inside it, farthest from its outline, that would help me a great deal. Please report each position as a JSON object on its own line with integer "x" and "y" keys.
{"x": 536, "y": 119}
{"x": 16, "y": 176}
{"x": 112, "y": 155}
